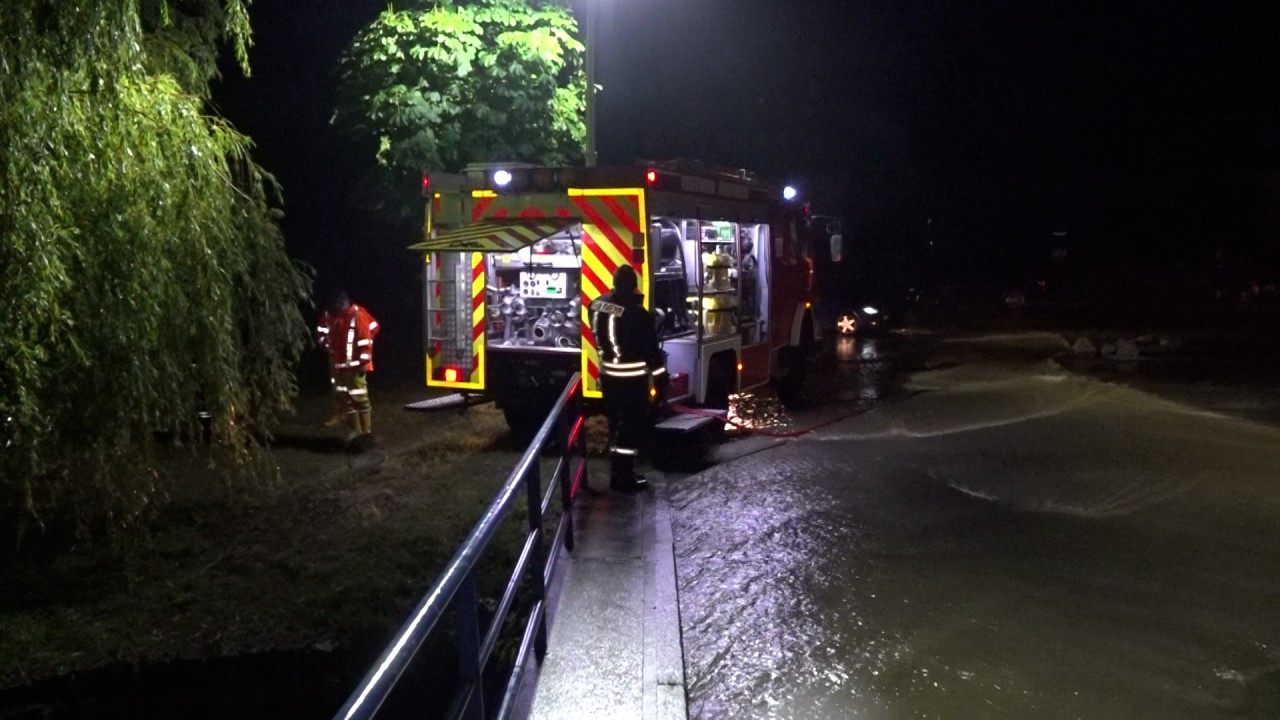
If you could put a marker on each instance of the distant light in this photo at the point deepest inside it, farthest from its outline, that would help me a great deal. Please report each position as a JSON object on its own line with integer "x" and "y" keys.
{"x": 651, "y": 177}
{"x": 502, "y": 178}
{"x": 739, "y": 367}
{"x": 1059, "y": 233}
{"x": 870, "y": 310}
{"x": 808, "y": 305}
{"x": 426, "y": 181}
{"x": 789, "y": 193}
{"x": 653, "y": 392}
{"x": 451, "y": 375}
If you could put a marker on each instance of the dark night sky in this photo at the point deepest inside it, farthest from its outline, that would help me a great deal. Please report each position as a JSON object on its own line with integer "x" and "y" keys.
{"x": 1139, "y": 126}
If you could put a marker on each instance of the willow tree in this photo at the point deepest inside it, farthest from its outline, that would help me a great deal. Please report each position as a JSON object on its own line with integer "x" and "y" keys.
{"x": 143, "y": 277}
{"x": 456, "y": 82}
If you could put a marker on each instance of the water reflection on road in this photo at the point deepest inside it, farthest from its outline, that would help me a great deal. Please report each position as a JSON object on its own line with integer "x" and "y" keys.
{"x": 1001, "y": 540}
{"x": 864, "y": 372}
{"x": 856, "y": 375}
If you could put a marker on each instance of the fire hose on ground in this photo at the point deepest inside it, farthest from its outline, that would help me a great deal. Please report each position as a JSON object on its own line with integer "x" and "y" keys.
{"x": 781, "y": 434}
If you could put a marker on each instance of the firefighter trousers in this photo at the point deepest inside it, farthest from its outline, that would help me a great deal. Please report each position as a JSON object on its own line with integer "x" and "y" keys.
{"x": 626, "y": 401}
{"x": 353, "y": 387}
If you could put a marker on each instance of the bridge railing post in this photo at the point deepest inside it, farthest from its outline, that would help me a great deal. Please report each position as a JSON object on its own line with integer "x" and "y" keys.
{"x": 539, "y": 558}
{"x": 470, "y": 674}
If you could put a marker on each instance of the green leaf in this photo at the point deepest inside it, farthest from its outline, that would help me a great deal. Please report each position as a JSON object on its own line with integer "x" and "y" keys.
{"x": 142, "y": 265}
{"x": 490, "y": 79}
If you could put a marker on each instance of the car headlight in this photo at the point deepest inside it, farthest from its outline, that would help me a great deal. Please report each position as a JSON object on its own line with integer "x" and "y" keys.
{"x": 870, "y": 310}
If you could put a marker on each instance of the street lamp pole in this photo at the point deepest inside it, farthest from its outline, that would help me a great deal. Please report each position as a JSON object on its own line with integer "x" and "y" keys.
{"x": 590, "y": 16}
{"x": 589, "y": 158}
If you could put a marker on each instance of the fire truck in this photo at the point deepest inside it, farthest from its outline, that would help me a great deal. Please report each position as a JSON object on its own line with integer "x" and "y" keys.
{"x": 515, "y": 254}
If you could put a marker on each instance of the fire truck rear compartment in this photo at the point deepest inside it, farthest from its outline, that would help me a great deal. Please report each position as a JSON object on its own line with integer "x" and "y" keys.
{"x": 526, "y": 384}
{"x": 534, "y": 296}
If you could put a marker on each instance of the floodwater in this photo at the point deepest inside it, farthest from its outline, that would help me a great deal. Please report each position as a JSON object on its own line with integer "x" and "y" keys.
{"x": 1000, "y": 538}
{"x": 860, "y": 375}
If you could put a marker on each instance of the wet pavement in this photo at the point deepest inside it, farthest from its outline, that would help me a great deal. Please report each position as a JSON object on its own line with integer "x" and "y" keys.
{"x": 986, "y": 535}
{"x": 955, "y": 527}
{"x": 614, "y": 647}
{"x": 615, "y": 630}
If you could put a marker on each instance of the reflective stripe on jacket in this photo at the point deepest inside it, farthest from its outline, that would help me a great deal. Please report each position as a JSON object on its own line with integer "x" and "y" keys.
{"x": 625, "y": 337}
{"x": 351, "y": 339}
{"x": 323, "y": 328}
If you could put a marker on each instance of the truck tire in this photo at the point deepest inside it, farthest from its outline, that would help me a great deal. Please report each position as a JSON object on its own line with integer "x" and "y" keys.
{"x": 722, "y": 377}
{"x": 794, "y": 360}
{"x": 720, "y": 381}
{"x": 525, "y": 418}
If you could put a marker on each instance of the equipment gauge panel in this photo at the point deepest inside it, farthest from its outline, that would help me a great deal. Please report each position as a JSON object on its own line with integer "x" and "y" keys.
{"x": 535, "y": 284}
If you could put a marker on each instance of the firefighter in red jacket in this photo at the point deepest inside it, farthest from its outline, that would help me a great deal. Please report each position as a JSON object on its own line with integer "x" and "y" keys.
{"x": 324, "y": 327}
{"x": 351, "y": 337}
{"x": 630, "y": 358}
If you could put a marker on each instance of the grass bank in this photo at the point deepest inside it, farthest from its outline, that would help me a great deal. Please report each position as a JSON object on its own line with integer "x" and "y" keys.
{"x": 332, "y": 554}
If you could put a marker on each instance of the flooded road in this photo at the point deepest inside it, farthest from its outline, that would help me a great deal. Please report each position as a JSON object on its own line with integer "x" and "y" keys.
{"x": 992, "y": 537}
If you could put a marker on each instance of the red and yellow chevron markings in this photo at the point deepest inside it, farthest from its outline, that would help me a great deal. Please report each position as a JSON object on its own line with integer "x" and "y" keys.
{"x": 477, "y": 319}
{"x": 612, "y": 226}
{"x": 504, "y": 236}
{"x": 470, "y": 377}
{"x": 614, "y": 233}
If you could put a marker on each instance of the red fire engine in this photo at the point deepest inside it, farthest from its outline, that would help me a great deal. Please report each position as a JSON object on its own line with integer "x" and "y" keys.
{"x": 515, "y": 254}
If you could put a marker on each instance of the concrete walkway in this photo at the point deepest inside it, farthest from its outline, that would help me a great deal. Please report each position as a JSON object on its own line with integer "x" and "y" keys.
{"x": 615, "y": 649}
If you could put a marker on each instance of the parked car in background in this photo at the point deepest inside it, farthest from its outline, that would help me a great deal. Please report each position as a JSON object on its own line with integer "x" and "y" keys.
{"x": 865, "y": 319}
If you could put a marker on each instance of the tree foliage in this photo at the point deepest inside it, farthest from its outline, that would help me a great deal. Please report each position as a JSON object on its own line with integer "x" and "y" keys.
{"x": 142, "y": 272}
{"x": 455, "y": 83}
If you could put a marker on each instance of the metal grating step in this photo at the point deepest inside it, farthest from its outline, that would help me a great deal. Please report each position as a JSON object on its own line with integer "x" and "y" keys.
{"x": 687, "y": 423}
{"x": 446, "y": 402}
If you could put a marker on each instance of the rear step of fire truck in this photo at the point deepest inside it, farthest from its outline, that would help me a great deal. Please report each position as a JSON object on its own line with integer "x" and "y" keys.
{"x": 448, "y": 402}
{"x": 683, "y": 423}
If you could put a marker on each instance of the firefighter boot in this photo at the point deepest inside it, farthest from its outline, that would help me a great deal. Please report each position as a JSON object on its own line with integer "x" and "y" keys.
{"x": 620, "y": 467}
{"x": 339, "y": 404}
{"x": 623, "y": 476}
{"x": 366, "y": 427}
{"x": 353, "y": 422}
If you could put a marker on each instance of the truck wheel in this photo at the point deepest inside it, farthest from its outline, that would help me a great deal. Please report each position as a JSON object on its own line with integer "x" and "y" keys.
{"x": 720, "y": 381}
{"x": 794, "y": 360}
{"x": 524, "y": 419}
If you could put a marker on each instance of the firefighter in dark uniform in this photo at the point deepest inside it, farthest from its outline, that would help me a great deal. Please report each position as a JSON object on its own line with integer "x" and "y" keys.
{"x": 629, "y": 359}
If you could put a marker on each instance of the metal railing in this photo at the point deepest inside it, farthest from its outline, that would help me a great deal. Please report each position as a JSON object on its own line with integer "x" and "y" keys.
{"x": 458, "y": 581}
